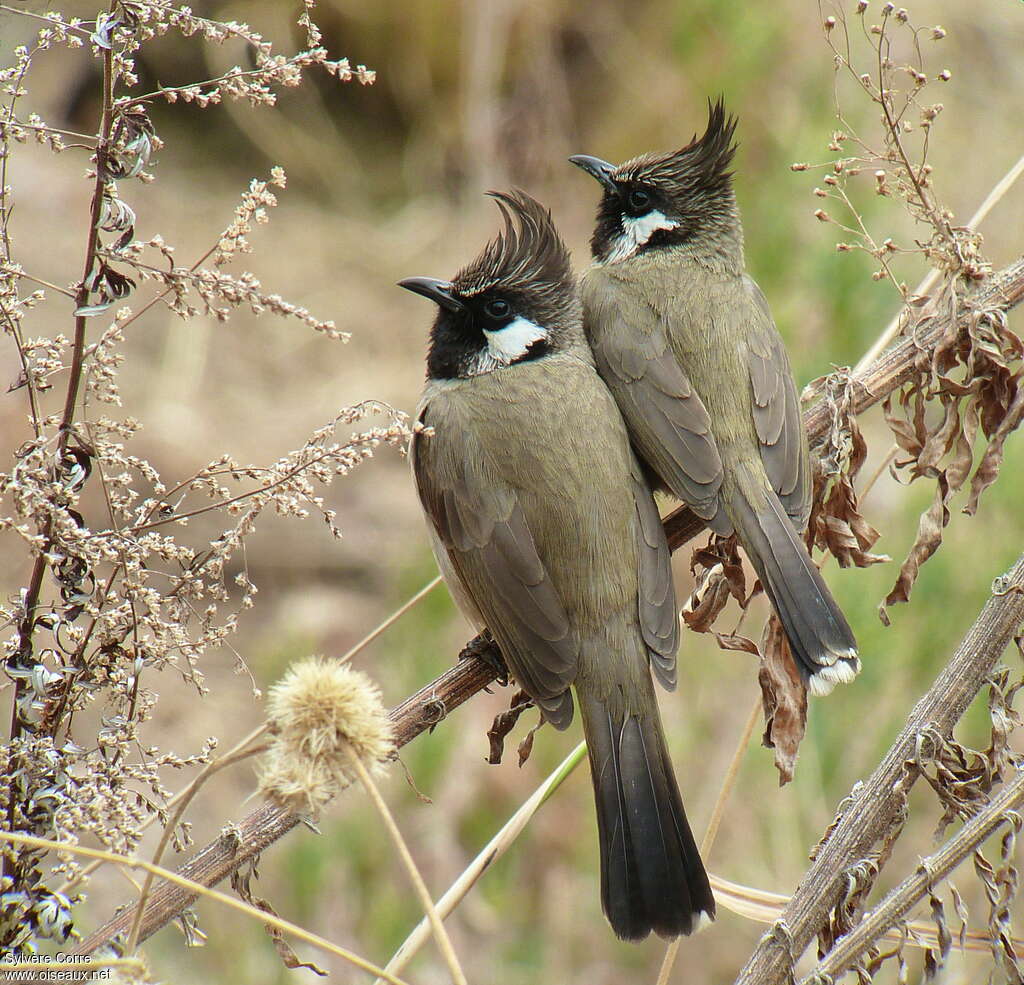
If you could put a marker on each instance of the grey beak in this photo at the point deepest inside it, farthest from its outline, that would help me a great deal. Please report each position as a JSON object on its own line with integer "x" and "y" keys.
{"x": 596, "y": 168}
{"x": 438, "y": 291}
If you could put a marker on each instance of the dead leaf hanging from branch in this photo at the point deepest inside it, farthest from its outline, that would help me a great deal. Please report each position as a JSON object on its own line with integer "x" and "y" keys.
{"x": 974, "y": 375}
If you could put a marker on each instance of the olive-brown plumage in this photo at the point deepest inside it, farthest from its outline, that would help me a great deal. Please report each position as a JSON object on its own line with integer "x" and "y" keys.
{"x": 685, "y": 341}
{"x": 547, "y": 534}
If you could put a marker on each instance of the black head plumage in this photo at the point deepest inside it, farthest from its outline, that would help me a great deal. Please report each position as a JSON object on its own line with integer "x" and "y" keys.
{"x": 688, "y": 191}
{"x": 701, "y": 167}
{"x": 514, "y": 303}
{"x": 527, "y": 255}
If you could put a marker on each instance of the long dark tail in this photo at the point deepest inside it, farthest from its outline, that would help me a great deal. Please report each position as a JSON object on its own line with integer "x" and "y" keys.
{"x": 652, "y": 877}
{"x": 818, "y": 633}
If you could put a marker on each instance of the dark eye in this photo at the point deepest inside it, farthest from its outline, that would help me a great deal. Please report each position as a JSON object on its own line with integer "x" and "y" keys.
{"x": 639, "y": 200}
{"x": 497, "y": 309}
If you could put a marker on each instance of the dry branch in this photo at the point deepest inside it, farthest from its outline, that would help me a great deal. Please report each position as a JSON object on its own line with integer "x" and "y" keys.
{"x": 246, "y": 840}
{"x": 930, "y": 871}
{"x": 877, "y": 805}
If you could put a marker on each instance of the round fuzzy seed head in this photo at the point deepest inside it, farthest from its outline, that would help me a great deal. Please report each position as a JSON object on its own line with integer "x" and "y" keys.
{"x": 321, "y": 713}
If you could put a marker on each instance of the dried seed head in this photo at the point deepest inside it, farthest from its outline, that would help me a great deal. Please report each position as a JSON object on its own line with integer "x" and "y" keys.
{"x": 321, "y": 713}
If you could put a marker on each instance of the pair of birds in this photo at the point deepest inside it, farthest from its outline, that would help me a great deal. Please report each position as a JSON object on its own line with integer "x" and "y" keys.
{"x": 551, "y": 414}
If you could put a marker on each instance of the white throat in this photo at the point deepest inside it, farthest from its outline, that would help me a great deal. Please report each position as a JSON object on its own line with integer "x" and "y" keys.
{"x": 508, "y": 345}
{"x": 636, "y": 232}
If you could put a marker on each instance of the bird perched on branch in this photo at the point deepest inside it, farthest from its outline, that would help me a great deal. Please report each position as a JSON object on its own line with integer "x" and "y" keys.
{"x": 685, "y": 341}
{"x": 548, "y": 535}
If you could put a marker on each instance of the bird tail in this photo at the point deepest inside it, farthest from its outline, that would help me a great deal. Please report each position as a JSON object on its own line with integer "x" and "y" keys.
{"x": 819, "y": 636}
{"x": 652, "y": 877}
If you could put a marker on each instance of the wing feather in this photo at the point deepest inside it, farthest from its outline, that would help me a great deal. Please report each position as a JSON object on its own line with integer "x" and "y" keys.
{"x": 776, "y": 410}
{"x": 659, "y": 623}
{"x": 668, "y": 423}
{"x": 482, "y": 529}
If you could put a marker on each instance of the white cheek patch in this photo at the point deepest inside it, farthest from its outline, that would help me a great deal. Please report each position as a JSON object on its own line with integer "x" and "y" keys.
{"x": 636, "y": 232}
{"x": 512, "y": 342}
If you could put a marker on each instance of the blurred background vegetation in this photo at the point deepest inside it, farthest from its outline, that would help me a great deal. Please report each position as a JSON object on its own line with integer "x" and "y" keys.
{"x": 385, "y": 183}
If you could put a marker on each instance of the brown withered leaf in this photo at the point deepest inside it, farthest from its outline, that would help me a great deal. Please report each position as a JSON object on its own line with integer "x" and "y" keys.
{"x": 240, "y": 883}
{"x": 526, "y": 746}
{"x": 929, "y": 537}
{"x": 722, "y": 578}
{"x": 503, "y": 723}
{"x": 836, "y": 524}
{"x": 708, "y": 599}
{"x": 733, "y": 641}
{"x": 975, "y": 377}
{"x": 992, "y": 459}
{"x": 784, "y": 699}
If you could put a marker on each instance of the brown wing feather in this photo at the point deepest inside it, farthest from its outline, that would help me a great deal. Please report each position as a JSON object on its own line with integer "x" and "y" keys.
{"x": 481, "y": 527}
{"x": 667, "y": 420}
{"x": 776, "y": 411}
{"x": 659, "y": 623}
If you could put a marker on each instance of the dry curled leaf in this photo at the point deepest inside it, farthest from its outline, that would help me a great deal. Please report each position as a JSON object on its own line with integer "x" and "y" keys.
{"x": 971, "y": 383}
{"x": 240, "y": 883}
{"x": 836, "y": 524}
{"x": 526, "y": 746}
{"x": 784, "y": 699}
{"x": 503, "y": 723}
{"x": 719, "y": 572}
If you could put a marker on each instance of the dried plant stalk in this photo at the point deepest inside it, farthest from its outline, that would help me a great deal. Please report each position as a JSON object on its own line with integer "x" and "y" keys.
{"x": 877, "y": 805}
{"x": 930, "y": 871}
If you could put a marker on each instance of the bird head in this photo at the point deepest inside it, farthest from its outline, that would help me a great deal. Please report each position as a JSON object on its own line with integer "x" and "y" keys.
{"x": 514, "y": 303}
{"x": 659, "y": 200}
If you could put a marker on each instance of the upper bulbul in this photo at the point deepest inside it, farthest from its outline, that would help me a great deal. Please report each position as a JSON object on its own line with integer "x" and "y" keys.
{"x": 685, "y": 341}
{"x": 547, "y": 534}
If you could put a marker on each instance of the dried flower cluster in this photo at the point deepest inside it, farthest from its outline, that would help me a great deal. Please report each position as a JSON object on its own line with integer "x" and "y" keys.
{"x": 321, "y": 713}
{"x": 124, "y": 592}
{"x": 895, "y": 80}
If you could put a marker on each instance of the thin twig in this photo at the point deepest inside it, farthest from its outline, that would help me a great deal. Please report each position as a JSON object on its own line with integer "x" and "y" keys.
{"x": 444, "y": 943}
{"x": 236, "y": 755}
{"x": 764, "y": 907}
{"x": 26, "y": 628}
{"x": 393, "y": 618}
{"x": 196, "y": 889}
{"x": 893, "y": 328}
{"x": 487, "y": 856}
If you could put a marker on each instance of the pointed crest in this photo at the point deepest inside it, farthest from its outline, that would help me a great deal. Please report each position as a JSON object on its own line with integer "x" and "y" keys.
{"x": 703, "y": 162}
{"x": 527, "y": 254}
